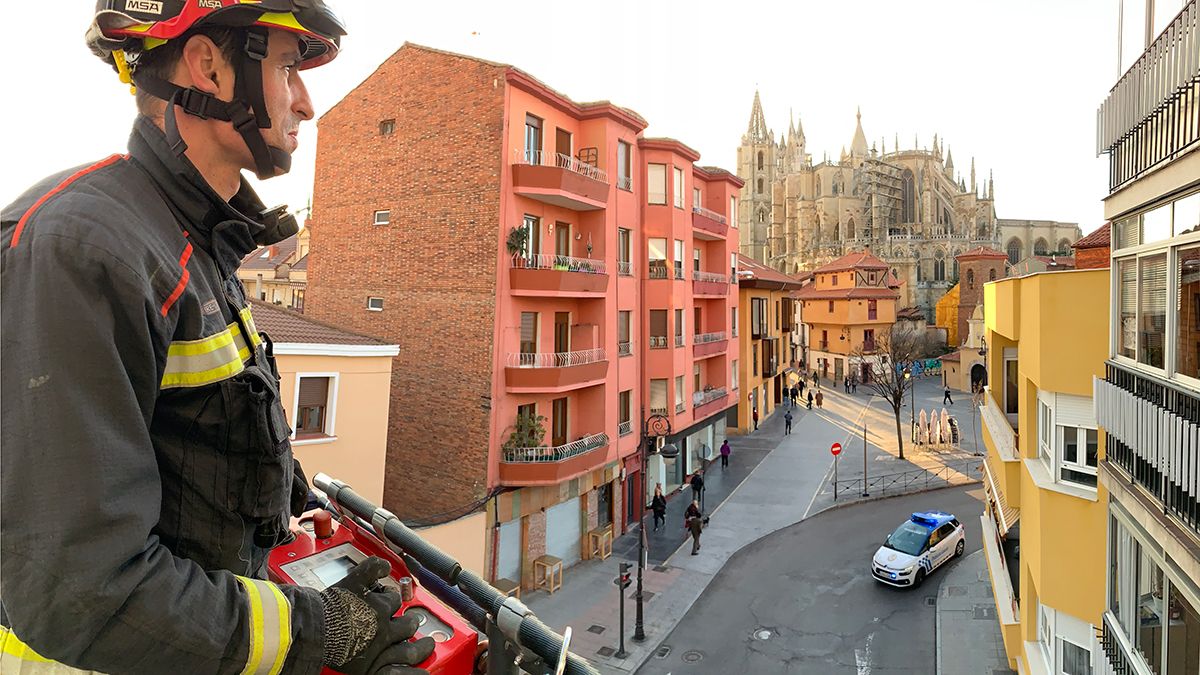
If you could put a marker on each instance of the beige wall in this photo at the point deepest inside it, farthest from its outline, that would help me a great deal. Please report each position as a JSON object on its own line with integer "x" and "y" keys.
{"x": 357, "y": 452}
{"x": 461, "y": 539}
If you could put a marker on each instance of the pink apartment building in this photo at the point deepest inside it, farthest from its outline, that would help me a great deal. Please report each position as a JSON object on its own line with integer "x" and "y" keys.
{"x": 534, "y": 258}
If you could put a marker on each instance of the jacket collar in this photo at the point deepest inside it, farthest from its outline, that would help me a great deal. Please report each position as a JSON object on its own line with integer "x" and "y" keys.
{"x": 228, "y": 230}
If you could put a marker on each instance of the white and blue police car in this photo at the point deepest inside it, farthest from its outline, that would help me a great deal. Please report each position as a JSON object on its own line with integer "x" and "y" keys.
{"x": 918, "y": 547}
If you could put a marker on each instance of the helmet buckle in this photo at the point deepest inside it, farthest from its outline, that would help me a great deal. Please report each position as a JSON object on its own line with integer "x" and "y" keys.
{"x": 256, "y": 45}
{"x": 194, "y": 102}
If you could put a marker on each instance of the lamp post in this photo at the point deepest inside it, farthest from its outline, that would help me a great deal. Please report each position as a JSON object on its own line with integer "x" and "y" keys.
{"x": 655, "y": 427}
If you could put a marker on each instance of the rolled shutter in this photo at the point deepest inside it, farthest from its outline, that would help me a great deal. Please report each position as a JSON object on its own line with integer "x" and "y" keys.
{"x": 314, "y": 391}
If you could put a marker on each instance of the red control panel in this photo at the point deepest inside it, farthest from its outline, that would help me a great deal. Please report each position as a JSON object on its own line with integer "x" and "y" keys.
{"x": 323, "y": 553}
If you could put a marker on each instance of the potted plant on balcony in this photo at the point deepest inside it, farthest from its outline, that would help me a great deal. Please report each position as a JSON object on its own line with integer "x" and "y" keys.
{"x": 527, "y": 433}
{"x": 518, "y": 238}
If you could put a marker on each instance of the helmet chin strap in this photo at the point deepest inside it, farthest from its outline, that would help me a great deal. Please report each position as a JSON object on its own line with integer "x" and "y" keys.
{"x": 247, "y": 112}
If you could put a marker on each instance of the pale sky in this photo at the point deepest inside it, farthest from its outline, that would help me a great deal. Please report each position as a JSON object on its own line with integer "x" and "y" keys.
{"x": 1013, "y": 83}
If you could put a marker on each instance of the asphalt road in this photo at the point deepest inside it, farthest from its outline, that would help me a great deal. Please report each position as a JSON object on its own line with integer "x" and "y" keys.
{"x": 810, "y": 585}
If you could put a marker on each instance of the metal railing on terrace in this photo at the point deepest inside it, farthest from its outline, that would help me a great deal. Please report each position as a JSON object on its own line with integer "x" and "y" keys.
{"x": 1153, "y": 111}
{"x": 625, "y": 182}
{"x": 549, "y": 261}
{"x": 555, "y": 359}
{"x": 678, "y": 340}
{"x": 900, "y": 482}
{"x": 624, "y": 348}
{"x": 704, "y": 338}
{"x": 950, "y": 236}
{"x": 658, "y": 411}
{"x": 546, "y": 158}
{"x": 711, "y": 277}
{"x": 679, "y": 271}
{"x": 625, "y": 428}
{"x": 1117, "y": 650}
{"x": 658, "y": 269}
{"x": 625, "y": 268}
{"x": 556, "y": 453}
{"x": 701, "y": 397}
{"x": 1153, "y": 429}
{"x": 708, "y": 213}
{"x": 680, "y": 407}
{"x": 658, "y": 342}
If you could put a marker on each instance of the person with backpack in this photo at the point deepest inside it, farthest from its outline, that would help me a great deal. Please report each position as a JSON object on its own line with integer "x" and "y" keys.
{"x": 659, "y": 506}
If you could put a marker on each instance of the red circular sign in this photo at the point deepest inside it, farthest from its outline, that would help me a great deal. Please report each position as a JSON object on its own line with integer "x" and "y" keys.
{"x": 836, "y": 449}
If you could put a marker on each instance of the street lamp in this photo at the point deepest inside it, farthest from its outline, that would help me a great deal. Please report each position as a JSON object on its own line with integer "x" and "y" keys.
{"x": 659, "y": 425}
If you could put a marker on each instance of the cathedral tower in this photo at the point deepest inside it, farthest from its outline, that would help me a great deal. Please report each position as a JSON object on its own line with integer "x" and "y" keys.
{"x": 756, "y": 165}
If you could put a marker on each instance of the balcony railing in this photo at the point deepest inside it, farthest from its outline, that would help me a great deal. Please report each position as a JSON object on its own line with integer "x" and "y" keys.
{"x": 703, "y": 338}
{"x": 679, "y": 272}
{"x": 658, "y": 411}
{"x": 707, "y": 213}
{"x": 680, "y": 407}
{"x": 868, "y": 346}
{"x": 658, "y": 342}
{"x": 625, "y": 182}
{"x": 548, "y": 261}
{"x": 1117, "y": 650}
{"x": 546, "y": 158}
{"x": 625, "y": 428}
{"x": 658, "y": 269}
{"x": 624, "y": 348}
{"x": 1153, "y": 432}
{"x": 1153, "y": 112}
{"x": 708, "y": 276}
{"x": 701, "y": 397}
{"x": 678, "y": 340}
{"x": 997, "y": 425}
{"x": 625, "y": 268}
{"x": 555, "y": 359}
{"x": 556, "y": 453}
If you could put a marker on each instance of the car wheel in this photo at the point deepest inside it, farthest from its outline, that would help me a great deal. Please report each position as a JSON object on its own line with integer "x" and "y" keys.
{"x": 919, "y": 578}
{"x": 958, "y": 550}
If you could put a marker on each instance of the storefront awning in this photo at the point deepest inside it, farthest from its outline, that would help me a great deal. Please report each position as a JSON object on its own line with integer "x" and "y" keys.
{"x": 1005, "y": 516}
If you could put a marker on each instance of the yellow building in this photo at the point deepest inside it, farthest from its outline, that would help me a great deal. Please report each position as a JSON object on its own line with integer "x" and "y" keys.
{"x": 1044, "y": 529}
{"x": 278, "y": 274}
{"x": 946, "y": 315}
{"x": 851, "y": 301}
{"x": 766, "y": 354}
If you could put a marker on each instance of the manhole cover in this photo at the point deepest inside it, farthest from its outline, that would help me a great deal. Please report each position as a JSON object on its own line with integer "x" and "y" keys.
{"x": 931, "y": 600}
{"x": 762, "y": 634}
{"x": 662, "y": 652}
{"x": 606, "y": 651}
{"x": 596, "y": 628}
{"x": 693, "y": 656}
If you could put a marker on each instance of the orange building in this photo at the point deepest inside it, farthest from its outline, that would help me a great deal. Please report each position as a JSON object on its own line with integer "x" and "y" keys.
{"x": 552, "y": 278}
{"x": 850, "y": 302}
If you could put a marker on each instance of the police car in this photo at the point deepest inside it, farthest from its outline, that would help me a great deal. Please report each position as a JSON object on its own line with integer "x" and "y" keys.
{"x": 918, "y": 547}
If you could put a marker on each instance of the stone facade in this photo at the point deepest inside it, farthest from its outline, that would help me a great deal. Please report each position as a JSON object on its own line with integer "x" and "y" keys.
{"x": 909, "y": 207}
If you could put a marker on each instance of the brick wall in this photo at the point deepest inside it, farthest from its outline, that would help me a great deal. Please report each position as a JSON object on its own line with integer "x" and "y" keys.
{"x": 534, "y": 528}
{"x": 969, "y": 296}
{"x": 439, "y": 175}
{"x": 1091, "y": 258}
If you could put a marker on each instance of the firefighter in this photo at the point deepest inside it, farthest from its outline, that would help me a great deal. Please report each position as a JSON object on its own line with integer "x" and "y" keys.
{"x": 147, "y": 471}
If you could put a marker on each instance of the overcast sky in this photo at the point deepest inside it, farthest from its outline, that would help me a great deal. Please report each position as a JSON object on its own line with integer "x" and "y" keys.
{"x": 1014, "y": 83}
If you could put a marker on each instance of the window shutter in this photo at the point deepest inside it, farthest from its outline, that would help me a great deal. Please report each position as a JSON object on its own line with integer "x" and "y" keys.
{"x": 1073, "y": 411}
{"x": 528, "y": 327}
{"x": 314, "y": 391}
{"x": 658, "y": 394}
{"x": 1154, "y": 284}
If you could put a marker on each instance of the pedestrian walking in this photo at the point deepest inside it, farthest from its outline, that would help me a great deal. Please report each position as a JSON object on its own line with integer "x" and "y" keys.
{"x": 698, "y": 485}
{"x": 810, "y": 399}
{"x": 816, "y": 380}
{"x": 946, "y": 397}
{"x": 787, "y": 423}
{"x": 693, "y": 521}
{"x": 754, "y": 415}
{"x": 854, "y": 386}
{"x": 659, "y": 506}
{"x": 820, "y": 399}
{"x": 725, "y": 450}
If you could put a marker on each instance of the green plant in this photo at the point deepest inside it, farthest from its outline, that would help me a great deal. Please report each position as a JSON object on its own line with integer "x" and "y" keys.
{"x": 527, "y": 433}
{"x": 518, "y": 238}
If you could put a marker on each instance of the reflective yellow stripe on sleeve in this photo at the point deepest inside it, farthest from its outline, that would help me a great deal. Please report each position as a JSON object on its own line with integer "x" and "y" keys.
{"x": 18, "y": 658}
{"x": 248, "y": 320}
{"x": 270, "y": 627}
{"x": 194, "y": 363}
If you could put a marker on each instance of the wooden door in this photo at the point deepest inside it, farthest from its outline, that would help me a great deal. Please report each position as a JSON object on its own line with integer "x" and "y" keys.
{"x": 560, "y": 423}
{"x": 562, "y": 332}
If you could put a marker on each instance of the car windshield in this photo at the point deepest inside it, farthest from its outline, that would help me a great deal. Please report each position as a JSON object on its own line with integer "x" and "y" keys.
{"x": 909, "y": 538}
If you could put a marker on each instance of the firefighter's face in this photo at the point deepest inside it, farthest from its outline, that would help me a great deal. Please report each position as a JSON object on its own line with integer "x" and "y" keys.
{"x": 284, "y": 92}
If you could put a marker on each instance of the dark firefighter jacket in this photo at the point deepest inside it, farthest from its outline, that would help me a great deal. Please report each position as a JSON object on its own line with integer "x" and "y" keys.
{"x": 146, "y": 466}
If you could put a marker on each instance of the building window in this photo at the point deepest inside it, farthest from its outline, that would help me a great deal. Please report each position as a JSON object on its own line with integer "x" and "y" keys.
{"x": 1127, "y": 308}
{"x": 733, "y": 268}
{"x": 383, "y": 217}
{"x": 680, "y": 405}
{"x": 1040, "y": 247}
{"x": 1068, "y": 442}
{"x": 1079, "y": 455}
{"x": 991, "y": 275}
{"x": 529, "y": 335}
{"x": 657, "y": 254}
{"x": 939, "y": 266}
{"x": 733, "y": 324}
{"x": 1076, "y": 660}
{"x": 695, "y": 260}
{"x": 658, "y": 329}
{"x": 624, "y": 411}
{"x": 760, "y": 191}
{"x": 831, "y": 307}
{"x": 533, "y": 140}
{"x": 678, "y": 259}
{"x": 696, "y": 387}
{"x": 970, "y": 280}
{"x": 375, "y": 304}
{"x": 313, "y": 404}
{"x": 624, "y": 180}
{"x": 909, "y": 197}
{"x": 656, "y": 183}
{"x": 624, "y": 345}
{"x": 624, "y": 266}
{"x": 678, "y": 192}
{"x": 760, "y": 160}
{"x": 872, "y": 310}
{"x": 754, "y": 359}
{"x": 1045, "y": 628}
{"x": 1152, "y": 309}
{"x": 1187, "y": 323}
{"x": 869, "y": 339}
{"x": 658, "y": 396}
{"x": 679, "y": 328}
{"x": 1014, "y": 251}
{"x": 733, "y": 374}
{"x": 733, "y": 217}
{"x": 387, "y": 127}
{"x": 696, "y": 198}
{"x": 533, "y": 236}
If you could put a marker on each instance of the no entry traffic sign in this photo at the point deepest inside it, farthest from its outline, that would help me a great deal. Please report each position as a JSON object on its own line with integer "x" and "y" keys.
{"x": 836, "y": 449}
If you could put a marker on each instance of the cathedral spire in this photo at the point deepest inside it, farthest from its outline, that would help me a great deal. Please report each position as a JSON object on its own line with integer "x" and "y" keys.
{"x": 937, "y": 150}
{"x": 973, "y": 188}
{"x": 859, "y": 145}
{"x": 989, "y": 192}
{"x": 757, "y": 131}
{"x": 949, "y": 161}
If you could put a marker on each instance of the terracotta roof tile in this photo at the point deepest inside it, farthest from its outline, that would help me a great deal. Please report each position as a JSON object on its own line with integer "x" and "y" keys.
{"x": 1101, "y": 238}
{"x": 750, "y": 270}
{"x": 286, "y": 325}
{"x": 861, "y": 260}
{"x": 275, "y": 255}
{"x": 982, "y": 252}
{"x": 814, "y": 293}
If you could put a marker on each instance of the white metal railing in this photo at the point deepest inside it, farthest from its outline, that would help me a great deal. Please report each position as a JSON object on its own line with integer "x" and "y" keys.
{"x": 702, "y": 338}
{"x": 949, "y": 235}
{"x": 678, "y": 340}
{"x": 658, "y": 342}
{"x": 546, "y": 158}
{"x": 710, "y": 214}
{"x": 679, "y": 271}
{"x": 997, "y": 425}
{"x": 555, "y": 359}
{"x": 680, "y": 407}
{"x": 658, "y": 269}
{"x": 625, "y": 428}
{"x": 624, "y": 348}
{"x": 711, "y": 277}
{"x": 625, "y": 182}
{"x": 1169, "y": 64}
{"x": 701, "y": 397}
{"x": 549, "y": 261}
{"x": 556, "y": 453}
{"x": 625, "y": 268}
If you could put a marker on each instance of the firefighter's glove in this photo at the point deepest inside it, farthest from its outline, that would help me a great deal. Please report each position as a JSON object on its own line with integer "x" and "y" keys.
{"x": 361, "y": 635}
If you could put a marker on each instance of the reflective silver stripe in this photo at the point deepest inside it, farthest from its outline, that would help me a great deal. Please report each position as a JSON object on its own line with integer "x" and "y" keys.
{"x": 17, "y": 658}
{"x": 194, "y": 363}
{"x": 270, "y": 627}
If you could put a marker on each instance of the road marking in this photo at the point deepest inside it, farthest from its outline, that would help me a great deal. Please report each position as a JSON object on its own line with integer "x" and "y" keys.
{"x": 862, "y": 657}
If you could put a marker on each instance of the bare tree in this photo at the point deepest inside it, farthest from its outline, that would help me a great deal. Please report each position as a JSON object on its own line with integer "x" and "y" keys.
{"x": 890, "y": 359}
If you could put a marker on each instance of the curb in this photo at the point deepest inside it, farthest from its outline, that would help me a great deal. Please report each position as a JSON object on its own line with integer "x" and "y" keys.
{"x": 937, "y": 624}
{"x": 860, "y": 500}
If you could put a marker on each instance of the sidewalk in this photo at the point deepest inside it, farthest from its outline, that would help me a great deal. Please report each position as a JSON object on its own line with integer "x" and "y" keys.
{"x": 968, "y": 635}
